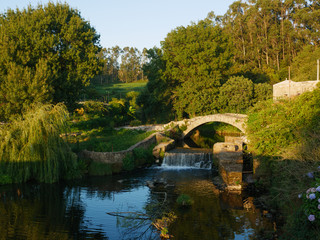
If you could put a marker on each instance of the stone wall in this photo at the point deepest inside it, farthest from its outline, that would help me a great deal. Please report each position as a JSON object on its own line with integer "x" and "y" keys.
{"x": 289, "y": 88}
{"x": 230, "y": 164}
{"x": 117, "y": 157}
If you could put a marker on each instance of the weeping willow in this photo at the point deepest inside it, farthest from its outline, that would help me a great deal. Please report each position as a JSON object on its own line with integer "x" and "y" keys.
{"x": 31, "y": 146}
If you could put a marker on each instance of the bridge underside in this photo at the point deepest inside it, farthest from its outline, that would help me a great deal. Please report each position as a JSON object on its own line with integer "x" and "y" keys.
{"x": 236, "y": 120}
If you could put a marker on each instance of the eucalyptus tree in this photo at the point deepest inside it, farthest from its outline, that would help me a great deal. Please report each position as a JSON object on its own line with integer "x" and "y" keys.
{"x": 266, "y": 35}
{"x": 130, "y": 67}
{"x": 48, "y": 53}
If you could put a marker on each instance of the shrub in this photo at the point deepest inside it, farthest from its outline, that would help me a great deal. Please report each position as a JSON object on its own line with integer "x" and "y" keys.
{"x": 95, "y": 107}
{"x": 5, "y": 179}
{"x": 142, "y": 156}
{"x": 135, "y": 122}
{"x": 128, "y": 162}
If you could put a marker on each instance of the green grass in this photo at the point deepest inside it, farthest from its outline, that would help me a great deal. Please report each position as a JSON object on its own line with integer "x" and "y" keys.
{"x": 106, "y": 139}
{"x": 116, "y": 90}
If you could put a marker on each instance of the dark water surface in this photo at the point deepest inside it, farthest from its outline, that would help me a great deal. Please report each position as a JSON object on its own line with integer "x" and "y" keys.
{"x": 78, "y": 209}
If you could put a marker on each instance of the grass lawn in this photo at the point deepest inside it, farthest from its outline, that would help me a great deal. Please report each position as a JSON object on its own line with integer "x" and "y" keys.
{"x": 116, "y": 90}
{"x": 106, "y": 139}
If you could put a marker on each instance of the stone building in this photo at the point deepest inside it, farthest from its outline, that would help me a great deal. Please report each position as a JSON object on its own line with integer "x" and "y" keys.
{"x": 289, "y": 88}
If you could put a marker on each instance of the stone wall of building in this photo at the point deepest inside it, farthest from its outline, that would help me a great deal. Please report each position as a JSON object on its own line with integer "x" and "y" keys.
{"x": 289, "y": 88}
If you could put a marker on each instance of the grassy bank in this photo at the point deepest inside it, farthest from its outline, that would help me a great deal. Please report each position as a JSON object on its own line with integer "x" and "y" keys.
{"x": 105, "y": 139}
{"x": 285, "y": 139}
{"x": 105, "y": 92}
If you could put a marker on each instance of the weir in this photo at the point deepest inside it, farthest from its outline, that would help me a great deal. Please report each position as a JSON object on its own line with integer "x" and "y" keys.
{"x": 186, "y": 158}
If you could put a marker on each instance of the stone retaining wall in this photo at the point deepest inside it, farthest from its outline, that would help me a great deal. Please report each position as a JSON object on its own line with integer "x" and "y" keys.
{"x": 117, "y": 157}
{"x": 230, "y": 164}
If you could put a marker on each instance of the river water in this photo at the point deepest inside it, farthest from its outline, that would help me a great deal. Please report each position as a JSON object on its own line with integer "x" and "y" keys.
{"x": 79, "y": 209}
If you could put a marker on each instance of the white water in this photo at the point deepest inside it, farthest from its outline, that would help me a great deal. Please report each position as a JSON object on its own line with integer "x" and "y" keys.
{"x": 187, "y": 160}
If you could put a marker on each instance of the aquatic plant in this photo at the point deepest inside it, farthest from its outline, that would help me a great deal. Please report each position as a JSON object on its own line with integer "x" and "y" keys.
{"x": 184, "y": 200}
{"x": 31, "y": 146}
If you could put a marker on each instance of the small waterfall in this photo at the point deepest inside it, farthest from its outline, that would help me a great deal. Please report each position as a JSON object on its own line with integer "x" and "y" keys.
{"x": 200, "y": 160}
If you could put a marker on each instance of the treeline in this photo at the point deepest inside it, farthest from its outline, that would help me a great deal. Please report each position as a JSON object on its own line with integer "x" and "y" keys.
{"x": 121, "y": 64}
{"x": 268, "y": 35}
{"x": 228, "y": 63}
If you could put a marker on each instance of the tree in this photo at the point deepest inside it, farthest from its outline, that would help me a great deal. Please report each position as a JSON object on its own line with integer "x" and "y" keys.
{"x": 197, "y": 58}
{"x": 47, "y": 54}
{"x": 31, "y": 146}
{"x": 236, "y": 95}
{"x": 304, "y": 67}
{"x": 130, "y": 66}
{"x": 155, "y": 99}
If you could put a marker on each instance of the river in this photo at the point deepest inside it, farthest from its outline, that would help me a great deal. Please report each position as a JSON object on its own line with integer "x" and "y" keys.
{"x": 79, "y": 209}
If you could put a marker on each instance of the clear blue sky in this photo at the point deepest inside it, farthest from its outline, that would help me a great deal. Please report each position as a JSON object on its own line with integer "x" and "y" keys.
{"x": 135, "y": 23}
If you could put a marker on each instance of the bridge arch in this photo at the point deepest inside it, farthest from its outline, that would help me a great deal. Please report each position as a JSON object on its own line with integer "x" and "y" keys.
{"x": 236, "y": 120}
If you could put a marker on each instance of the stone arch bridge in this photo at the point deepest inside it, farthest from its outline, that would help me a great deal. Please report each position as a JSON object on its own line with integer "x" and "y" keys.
{"x": 236, "y": 120}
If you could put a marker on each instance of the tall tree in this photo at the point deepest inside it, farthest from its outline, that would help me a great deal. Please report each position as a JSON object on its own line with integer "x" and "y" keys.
{"x": 47, "y": 54}
{"x": 155, "y": 99}
{"x": 130, "y": 66}
{"x": 197, "y": 57}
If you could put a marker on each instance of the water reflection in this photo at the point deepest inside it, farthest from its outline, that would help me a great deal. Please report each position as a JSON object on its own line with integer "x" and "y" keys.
{"x": 77, "y": 210}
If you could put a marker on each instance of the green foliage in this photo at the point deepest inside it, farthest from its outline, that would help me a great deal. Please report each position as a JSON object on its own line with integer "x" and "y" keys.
{"x": 130, "y": 67}
{"x": 99, "y": 169}
{"x": 298, "y": 227}
{"x": 311, "y": 203}
{"x": 236, "y": 95}
{"x": 95, "y": 107}
{"x": 174, "y": 133}
{"x": 31, "y": 147}
{"x": 135, "y": 122}
{"x": 184, "y": 200}
{"x": 128, "y": 162}
{"x": 205, "y": 136}
{"x": 262, "y": 92}
{"x": 106, "y": 92}
{"x": 143, "y": 156}
{"x": 155, "y": 99}
{"x": 47, "y": 54}
{"x": 5, "y": 179}
{"x": 267, "y": 35}
{"x": 196, "y": 57}
{"x": 305, "y": 64}
{"x": 274, "y": 128}
{"x": 105, "y": 139}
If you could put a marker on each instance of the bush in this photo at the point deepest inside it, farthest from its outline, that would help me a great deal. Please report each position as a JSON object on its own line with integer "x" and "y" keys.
{"x": 5, "y": 179}
{"x": 95, "y": 107}
{"x": 128, "y": 162}
{"x": 135, "y": 122}
{"x": 142, "y": 156}
{"x": 275, "y": 128}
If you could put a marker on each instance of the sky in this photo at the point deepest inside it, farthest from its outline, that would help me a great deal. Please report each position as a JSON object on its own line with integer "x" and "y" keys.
{"x": 135, "y": 23}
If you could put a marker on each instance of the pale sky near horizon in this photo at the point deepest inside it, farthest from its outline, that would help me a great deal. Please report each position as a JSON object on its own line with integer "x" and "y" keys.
{"x": 135, "y": 23}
